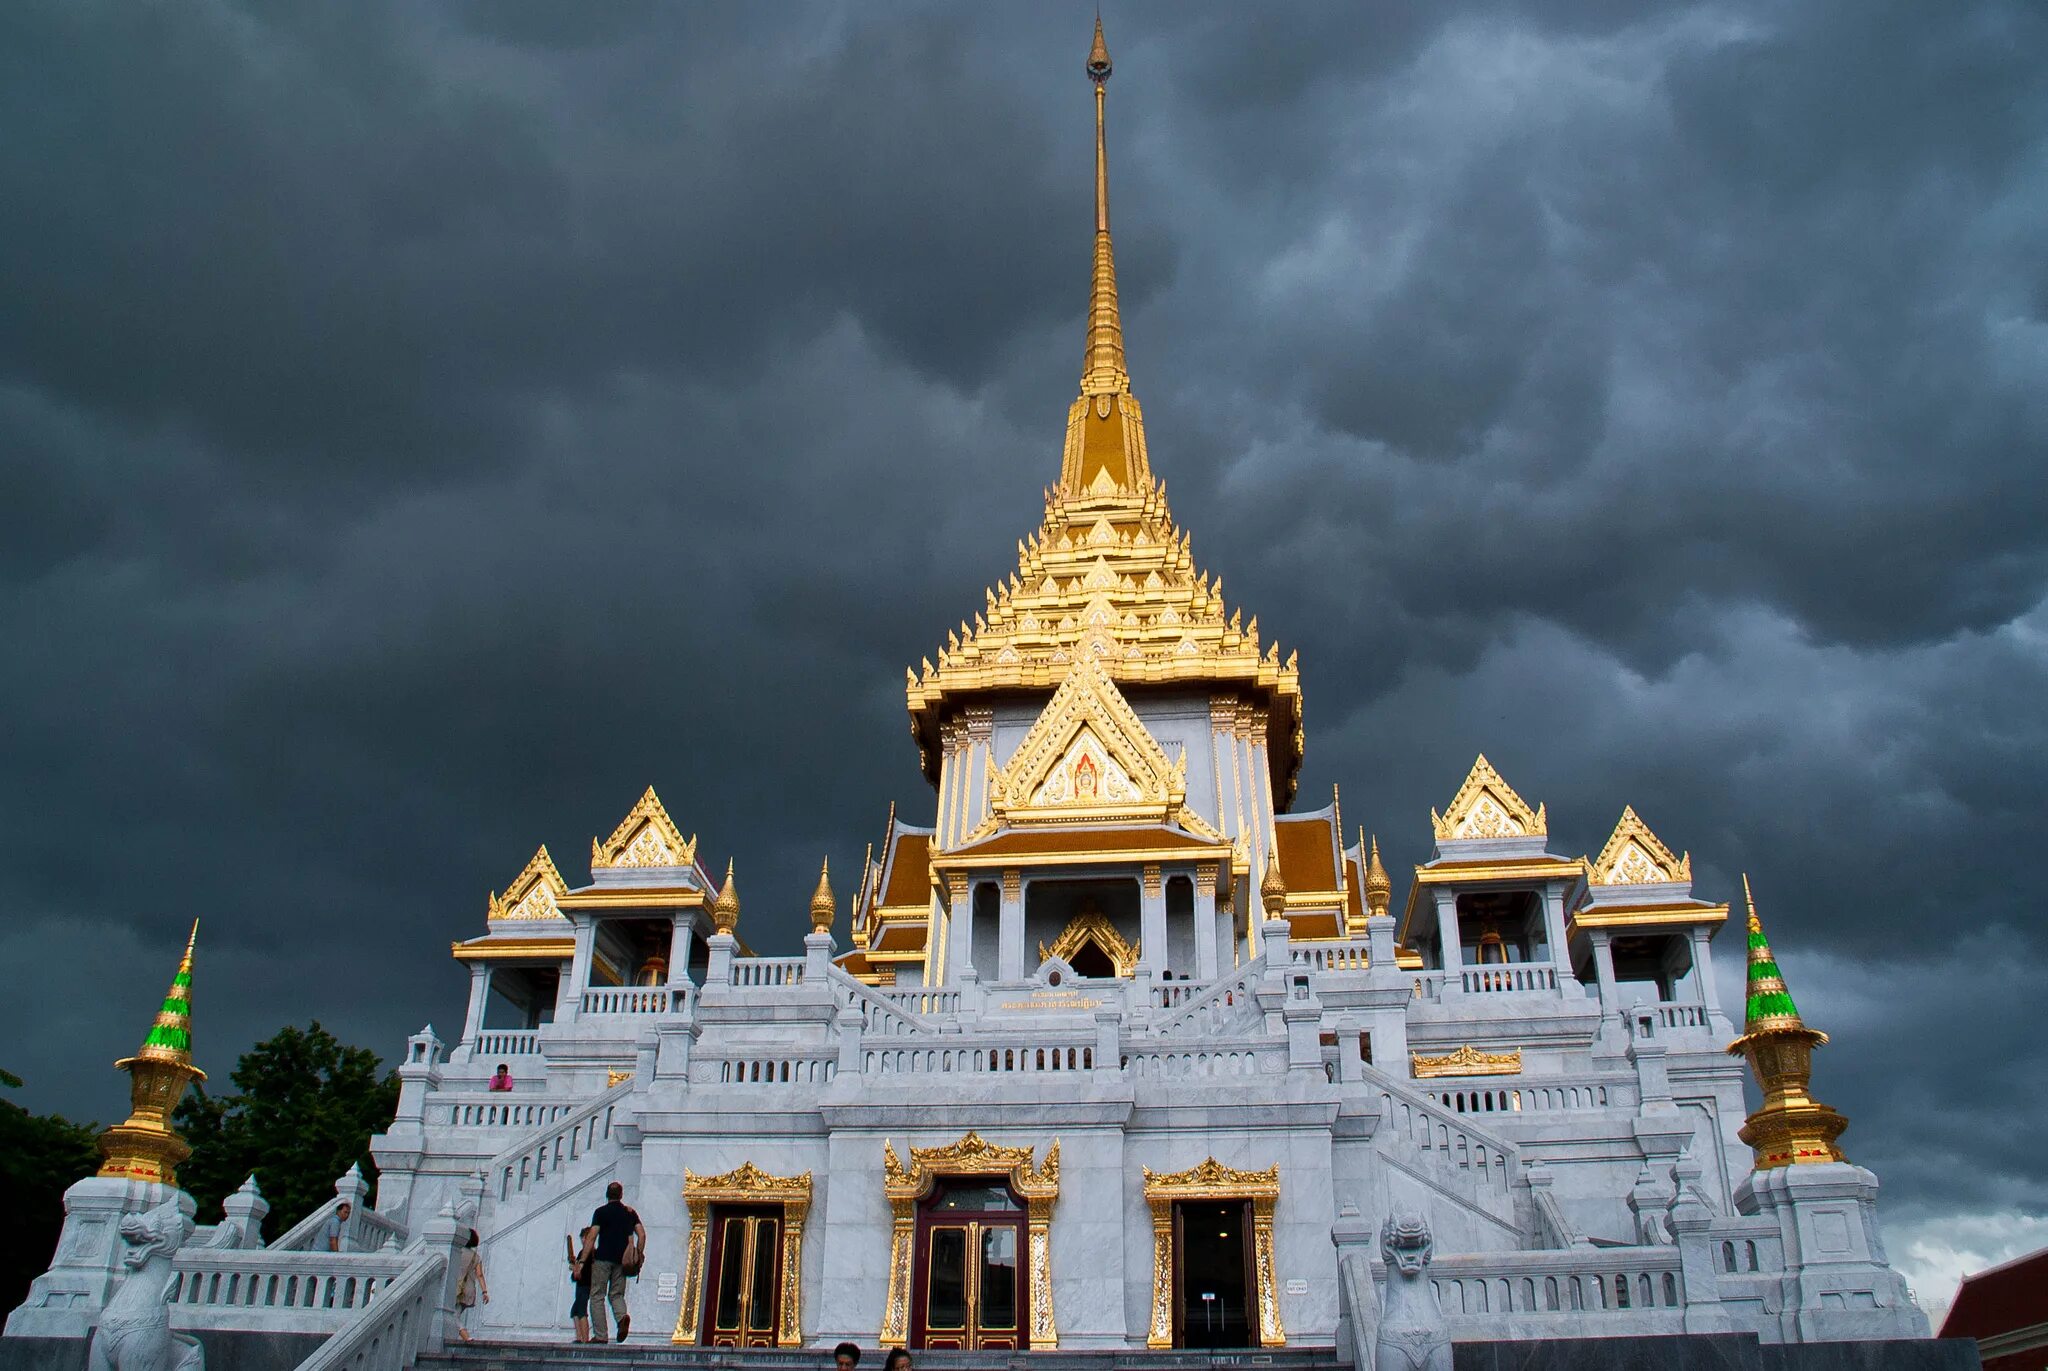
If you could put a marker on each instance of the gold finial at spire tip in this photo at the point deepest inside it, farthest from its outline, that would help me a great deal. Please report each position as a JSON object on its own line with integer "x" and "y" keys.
{"x": 1098, "y": 56}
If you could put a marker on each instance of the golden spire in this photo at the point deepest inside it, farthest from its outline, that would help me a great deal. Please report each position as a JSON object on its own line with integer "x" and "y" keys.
{"x": 1104, "y": 373}
{"x": 145, "y": 1147}
{"x": 1790, "y": 1127}
{"x": 1273, "y": 890}
{"x": 725, "y": 909}
{"x": 1105, "y": 453}
{"x": 1378, "y": 888}
{"x": 824, "y": 908}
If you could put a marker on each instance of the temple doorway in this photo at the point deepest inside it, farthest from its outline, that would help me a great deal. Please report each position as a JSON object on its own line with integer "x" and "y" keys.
{"x": 1212, "y": 1258}
{"x": 744, "y": 1294}
{"x": 968, "y": 1287}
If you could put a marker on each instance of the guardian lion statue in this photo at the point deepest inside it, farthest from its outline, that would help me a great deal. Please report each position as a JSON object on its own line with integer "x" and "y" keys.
{"x": 1412, "y": 1336}
{"x": 135, "y": 1328}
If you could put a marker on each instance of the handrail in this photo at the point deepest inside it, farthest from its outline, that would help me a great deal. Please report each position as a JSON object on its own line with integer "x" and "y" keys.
{"x": 300, "y": 1236}
{"x": 1241, "y": 986}
{"x": 876, "y": 1006}
{"x": 385, "y": 1335}
{"x": 504, "y": 1169}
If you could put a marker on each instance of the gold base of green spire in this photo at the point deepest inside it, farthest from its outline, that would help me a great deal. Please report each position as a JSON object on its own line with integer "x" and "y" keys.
{"x": 145, "y": 1147}
{"x": 1790, "y": 1127}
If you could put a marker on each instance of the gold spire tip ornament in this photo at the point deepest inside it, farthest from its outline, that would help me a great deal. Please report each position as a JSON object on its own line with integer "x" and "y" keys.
{"x": 725, "y": 908}
{"x": 824, "y": 905}
{"x": 145, "y": 1147}
{"x": 1379, "y": 887}
{"x": 1273, "y": 889}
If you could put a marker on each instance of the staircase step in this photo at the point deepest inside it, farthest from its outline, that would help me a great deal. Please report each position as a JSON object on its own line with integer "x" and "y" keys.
{"x": 538, "y": 1356}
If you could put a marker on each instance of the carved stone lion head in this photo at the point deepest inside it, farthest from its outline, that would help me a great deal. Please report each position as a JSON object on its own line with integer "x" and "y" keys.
{"x": 163, "y": 1228}
{"x": 1406, "y": 1244}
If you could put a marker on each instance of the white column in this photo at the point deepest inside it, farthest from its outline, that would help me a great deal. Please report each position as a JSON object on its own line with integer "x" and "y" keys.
{"x": 1553, "y": 934}
{"x": 680, "y": 936}
{"x": 1152, "y": 922}
{"x": 1452, "y": 949}
{"x": 570, "y": 1000}
{"x": 1205, "y": 924}
{"x": 1603, "y": 967}
{"x": 1010, "y": 929}
{"x": 955, "y": 930}
{"x": 960, "y": 944}
{"x": 1703, "y": 967}
{"x": 479, "y": 991}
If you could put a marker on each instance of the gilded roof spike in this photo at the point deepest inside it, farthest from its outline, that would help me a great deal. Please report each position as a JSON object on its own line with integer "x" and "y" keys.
{"x": 824, "y": 907}
{"x": 725, "y": 909}
{"x": 1379, "y": 888}
{"x": 1273, "y": 889}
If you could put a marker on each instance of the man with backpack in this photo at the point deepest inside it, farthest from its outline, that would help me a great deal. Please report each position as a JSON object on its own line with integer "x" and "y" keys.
{"x": 621, "y": 1244}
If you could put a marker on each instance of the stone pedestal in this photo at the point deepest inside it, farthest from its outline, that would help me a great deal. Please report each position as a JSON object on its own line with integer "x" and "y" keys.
{"x": 65, "y": 1301}
{"x": 1837, "y": 1283}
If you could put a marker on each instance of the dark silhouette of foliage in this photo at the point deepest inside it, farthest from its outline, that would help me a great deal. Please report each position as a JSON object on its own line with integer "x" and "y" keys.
{"x": 304, "y": 1112}
{"x": 40, "y": 1156}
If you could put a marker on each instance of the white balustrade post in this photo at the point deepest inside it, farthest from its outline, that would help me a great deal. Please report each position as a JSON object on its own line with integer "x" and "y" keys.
{"x": 817, "y": 957}
{"x": 1350, "y": 1050}
{"x": 243, "y": 1212}
{"x": 719, "y": 972}
{"x": 848, "y": 1023}
{"x": 1108, "y": 1047}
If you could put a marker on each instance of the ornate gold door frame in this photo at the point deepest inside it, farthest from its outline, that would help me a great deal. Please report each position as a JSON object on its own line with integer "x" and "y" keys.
{"x": 747, "y": 1184}
{"x": 1037, "y": 1186}
{"x": 1212, "y": 1180}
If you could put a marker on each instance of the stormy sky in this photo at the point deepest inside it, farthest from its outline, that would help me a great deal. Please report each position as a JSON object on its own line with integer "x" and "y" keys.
{"x": 423, "y": 427}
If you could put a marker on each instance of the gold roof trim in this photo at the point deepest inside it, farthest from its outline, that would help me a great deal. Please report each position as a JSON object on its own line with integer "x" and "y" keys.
{"x": 514, "y": 949}
{"x": 645, "y": 837}
{"x": 1486, "y": 806}
{"x": 1634, "y": 856}
{"x": 535, "y": 893}
{"x": 746, "y": 1184}
{"x": 1092, "y": 926}
{"x": 1467, "y": 1061}
{"x": 1629, "y": 916}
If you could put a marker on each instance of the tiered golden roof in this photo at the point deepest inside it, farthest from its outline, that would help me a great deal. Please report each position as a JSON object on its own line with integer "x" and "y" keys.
{"x": 1790, "y": 1127}
{"x": 144, "y": 1146}
{"x": 1107, "y": 575}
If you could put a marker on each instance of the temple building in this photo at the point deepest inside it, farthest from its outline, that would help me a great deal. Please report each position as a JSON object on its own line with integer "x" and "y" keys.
{"x": 1127, "y": 1043}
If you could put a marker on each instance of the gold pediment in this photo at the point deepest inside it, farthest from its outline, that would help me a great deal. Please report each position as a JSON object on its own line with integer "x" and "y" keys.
{"x": 746, "y": 1184}
{"x": 1467, "y": 1061}
{"x": 1092, "y": 927}
{"x": 534, "y": 893}
{"x": 1486, "y": 806}
{"x": 645, "y": 837}
{"x": 1087, "y": 758}
{"x": 1634, "y": 856}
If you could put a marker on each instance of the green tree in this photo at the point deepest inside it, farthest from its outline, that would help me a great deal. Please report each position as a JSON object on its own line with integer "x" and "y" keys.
{"x": 40, "y": 1156}
{"x": 304, "y": 1112}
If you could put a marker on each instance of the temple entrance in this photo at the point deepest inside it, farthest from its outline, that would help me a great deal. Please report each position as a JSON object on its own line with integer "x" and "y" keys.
{"x": 1212, "y": 1259}
{"x": 968, "y": 1286}
{"x": 743, "y": 1296}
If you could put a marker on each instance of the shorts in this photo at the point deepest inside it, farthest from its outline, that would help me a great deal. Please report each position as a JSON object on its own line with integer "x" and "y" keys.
{"x": 579, "y": 1308}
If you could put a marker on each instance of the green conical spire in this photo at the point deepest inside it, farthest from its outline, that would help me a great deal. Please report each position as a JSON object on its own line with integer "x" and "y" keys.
{"x": 170, "y": 1037}
{"x": 1770, "y": 1003}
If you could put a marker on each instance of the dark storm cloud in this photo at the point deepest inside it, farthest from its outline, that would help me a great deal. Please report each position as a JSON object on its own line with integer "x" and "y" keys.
{"x": 424, "y": 427}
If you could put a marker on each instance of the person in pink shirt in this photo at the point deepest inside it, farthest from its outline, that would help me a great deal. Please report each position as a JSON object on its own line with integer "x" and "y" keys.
{"x": 503, "y": 1080}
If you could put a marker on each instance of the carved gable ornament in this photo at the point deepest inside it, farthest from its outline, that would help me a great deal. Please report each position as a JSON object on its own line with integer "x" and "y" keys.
{"x": 1488, "y": 807}
{"x": 1087, "y": 758}
{"x": 533, "y": 892}
{"x": 1634, "y": 856}
{"x": 1091, "y": 928}
{"x": 645, "y": 837}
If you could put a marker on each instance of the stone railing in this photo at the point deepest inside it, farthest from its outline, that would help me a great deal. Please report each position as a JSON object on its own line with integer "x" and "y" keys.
{"x": 879, "y": 1014}
{"x": 502, "y": 1109}
{"x": 268, "y": 1290}
{"x": 1429, "y": 985}
{"x": 803, "y": 1068}
{"x": 767, "y": 971}
{"x": 1174, "y": 1062}
{"x": 633, "y": 999}
{"x": 507, "y": 1042}
{"x": 1230, "y": 1005}
{"x": 555, "y": 1144}
{"x": 1174, "y": 994}
{"x": 366, "y": 1229}
{"x": 1628, "y": 1290}
{"x": 387, "y": 1335}
{"x": 1010, "y": 1058}
{"x": 1344, "y": 954}
{"x": 1676, "y": 1014}
{"x": 1468, "y": 1158}
{"x": 1542, "y": 1095}
{"x": 920, "y": 1000}
{"x": 1497, "y": 980}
